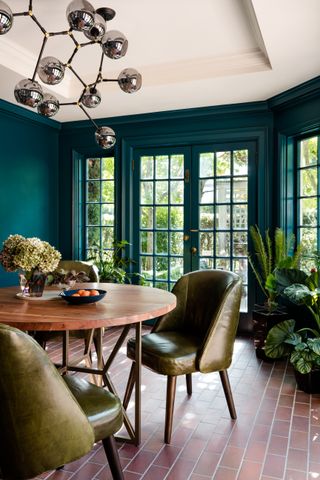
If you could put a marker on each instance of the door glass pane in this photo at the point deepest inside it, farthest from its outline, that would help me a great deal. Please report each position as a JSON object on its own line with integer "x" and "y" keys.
{"x": 206, "y": 191}
{"x": 223, "y": 163}
{"x": 206, "y": 164}
{"x": 146, "y": 167}
{"x": 162, "y": 219}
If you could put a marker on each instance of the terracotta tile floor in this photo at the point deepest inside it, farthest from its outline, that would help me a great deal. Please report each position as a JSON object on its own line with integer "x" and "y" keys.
{"x": 276, "y": 435}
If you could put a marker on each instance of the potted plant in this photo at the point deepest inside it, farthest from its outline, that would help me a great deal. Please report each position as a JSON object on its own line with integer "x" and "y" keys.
{"x": 269, "y": 255}
{"x": 301, "y": 345}
{"x": 112, "y": 264}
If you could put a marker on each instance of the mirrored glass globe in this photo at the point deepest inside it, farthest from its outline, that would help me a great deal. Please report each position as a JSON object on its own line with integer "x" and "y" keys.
{"x": 80, "y": 15}
{"x": 98, "y": 29}
{"x": 6, "y": 18}
{"x": 51, "y": 70}
{"x": 105, "y": 137}
{"x": 28, "y": 93}
{"x": 49, "y": 105}
{"x": 91, "y": 98}
{"x": 114, "y": 44}
{"x": 130, "y": 80}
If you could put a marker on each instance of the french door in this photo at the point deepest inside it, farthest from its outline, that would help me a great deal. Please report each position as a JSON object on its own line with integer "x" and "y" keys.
{"x": 192, "y": 211}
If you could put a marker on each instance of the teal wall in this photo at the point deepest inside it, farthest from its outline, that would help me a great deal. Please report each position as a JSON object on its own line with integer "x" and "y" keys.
{"x": 28, "y": 177}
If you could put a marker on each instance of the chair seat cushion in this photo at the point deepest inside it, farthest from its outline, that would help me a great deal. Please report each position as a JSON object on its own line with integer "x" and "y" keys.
{"x": 167, "y": 353}
{"x": 103, "y": 409}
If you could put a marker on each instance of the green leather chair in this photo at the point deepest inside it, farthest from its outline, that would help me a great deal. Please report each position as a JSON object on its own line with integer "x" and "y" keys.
{"x": 47, "y": 420}
{"x": 197, "y": 336}
{"x": 78, "y": 266}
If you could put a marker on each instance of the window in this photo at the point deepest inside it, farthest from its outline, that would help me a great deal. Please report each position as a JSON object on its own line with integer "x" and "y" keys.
{"x": 98, "y": 226}
{"x": 308, "y": 193}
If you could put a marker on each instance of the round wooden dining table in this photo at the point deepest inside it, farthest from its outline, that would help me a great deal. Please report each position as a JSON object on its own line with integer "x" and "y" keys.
{"x": 123, "y": 306}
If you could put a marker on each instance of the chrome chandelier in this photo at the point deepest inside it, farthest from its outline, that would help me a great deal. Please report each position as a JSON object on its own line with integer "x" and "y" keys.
{"x": 82, "y": 17}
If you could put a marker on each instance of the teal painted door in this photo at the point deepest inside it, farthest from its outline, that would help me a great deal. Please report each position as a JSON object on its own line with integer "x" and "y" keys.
{"x": 192, "y": 211}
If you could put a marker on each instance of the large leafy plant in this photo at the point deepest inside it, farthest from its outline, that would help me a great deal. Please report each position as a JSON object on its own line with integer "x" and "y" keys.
{"x": 112, "y": 264}
{"x": 268, "y": 255}
{"x": 302, "y": 345}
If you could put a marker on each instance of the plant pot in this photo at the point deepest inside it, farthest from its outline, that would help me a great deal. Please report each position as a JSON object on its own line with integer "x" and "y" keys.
{"x": 308, "y": 382}
{"x": 263, "y": 321}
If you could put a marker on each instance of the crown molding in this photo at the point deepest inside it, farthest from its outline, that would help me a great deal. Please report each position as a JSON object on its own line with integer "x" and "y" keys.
{"x": 21, "y": 113}
{"x": 305, "y": 91}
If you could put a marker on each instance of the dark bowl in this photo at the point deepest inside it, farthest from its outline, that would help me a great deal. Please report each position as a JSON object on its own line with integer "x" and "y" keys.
{"x": 67, "y": 296}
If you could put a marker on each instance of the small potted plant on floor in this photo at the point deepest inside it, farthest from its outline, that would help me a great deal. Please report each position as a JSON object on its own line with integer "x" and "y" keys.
{"x": 113, "y": 265}
{"x": 301, "y": 345}
{"x": 268, "y": 256}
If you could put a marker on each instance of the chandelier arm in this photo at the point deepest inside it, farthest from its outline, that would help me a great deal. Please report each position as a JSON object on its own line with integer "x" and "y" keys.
{"x": 45, "y": 38}
{"x": 72, "y": 56}
{"x": 73, "y": 39}
{"x": 68, "y": 103}
{"x": 92, "y": 42}
{"x": 109, "y": 80}
{"x": 64, "y": 32}
{"x": 76, "y": 75}
{"x": 99, "y": 76}
{"x": 43, "y": 30}
{"x": 30, "y": 5}
{"x": 87, "y": 114}
{"x": 20, "y": 14}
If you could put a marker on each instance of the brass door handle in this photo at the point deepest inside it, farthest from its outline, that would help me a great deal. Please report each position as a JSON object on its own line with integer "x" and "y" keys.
{"x": 193, "y": 250}
{"x": 186, "y": 237}
{"x": 194, "y": 230}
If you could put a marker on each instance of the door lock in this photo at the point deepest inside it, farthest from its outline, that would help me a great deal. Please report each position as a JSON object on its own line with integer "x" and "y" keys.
{"x": 193, "y": 250}
{"x": 186, "y": 237}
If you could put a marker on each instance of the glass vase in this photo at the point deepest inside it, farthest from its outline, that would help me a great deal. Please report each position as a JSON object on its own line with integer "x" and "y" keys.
{"x": 36, "y": 282}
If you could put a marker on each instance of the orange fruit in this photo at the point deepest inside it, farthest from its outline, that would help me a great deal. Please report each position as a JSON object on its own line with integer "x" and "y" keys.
{"x": 86, "y": 293}
{"x": 75, "y": 295}
{"x": 93, "y": 293}
{"x": 81, "y": 292}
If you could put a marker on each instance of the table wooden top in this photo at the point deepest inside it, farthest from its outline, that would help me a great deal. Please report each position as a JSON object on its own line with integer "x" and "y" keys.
{"x": 122, "y": 305}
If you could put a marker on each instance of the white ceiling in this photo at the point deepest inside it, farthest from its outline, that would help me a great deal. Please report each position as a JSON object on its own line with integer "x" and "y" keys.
{"x": 190, "y": 54}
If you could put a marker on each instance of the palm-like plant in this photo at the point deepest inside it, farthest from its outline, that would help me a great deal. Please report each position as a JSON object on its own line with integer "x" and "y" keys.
{"x": 269, "y": 255}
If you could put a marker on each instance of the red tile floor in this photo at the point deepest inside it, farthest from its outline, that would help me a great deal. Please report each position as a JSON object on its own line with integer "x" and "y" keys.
{"x": 276, "y": 435}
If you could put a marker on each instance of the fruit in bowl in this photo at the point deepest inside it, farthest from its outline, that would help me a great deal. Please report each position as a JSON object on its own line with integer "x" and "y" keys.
{"x": 83, "y": 295}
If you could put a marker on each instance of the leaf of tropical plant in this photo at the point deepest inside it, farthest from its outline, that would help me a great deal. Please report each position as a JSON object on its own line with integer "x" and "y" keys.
{"x": 314, "y": 344}
{"x": 293, "y": 339}
{"x": 275, "y": 346}
{"x": 301, "y": 365}
{"x": 299, "y": 294}
{"x": 288, "y": 276}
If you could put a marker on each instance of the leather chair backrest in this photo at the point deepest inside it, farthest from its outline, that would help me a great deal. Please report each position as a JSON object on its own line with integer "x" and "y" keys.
{"x": 80, "y": 266}
{"x": 41, "y": 424}
{"x": 208, "y": 303}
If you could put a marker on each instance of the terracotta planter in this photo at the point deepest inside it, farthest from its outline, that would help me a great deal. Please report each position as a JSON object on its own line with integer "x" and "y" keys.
{"x": 308, "y": 382}
{"x": 263, "y": 321}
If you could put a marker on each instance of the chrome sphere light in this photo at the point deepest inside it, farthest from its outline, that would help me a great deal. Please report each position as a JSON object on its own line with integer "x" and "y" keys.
{"x": 91, "y": 98}
{"x": 28, "y": 93}
{"x": 130, "y": 80}
{"x": 105, "y": 137}
{"x": 80, "y": 15}
{"x": 6, "y": 18}
{"x": 49, "y": 105}
{"x": 114, "y": 44}
{"x": 97, "y": 30}
{"x": 51, "y": 70}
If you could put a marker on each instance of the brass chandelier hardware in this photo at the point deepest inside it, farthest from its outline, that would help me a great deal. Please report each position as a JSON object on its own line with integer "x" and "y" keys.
{"x": 82, "y": 17}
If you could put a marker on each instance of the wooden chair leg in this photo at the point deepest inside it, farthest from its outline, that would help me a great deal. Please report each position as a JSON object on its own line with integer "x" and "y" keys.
{"x": 171, "y": 392}
{"x": 189, "y": 383}
{"x": 112, "y": 454}
{"x": 228, "y": 393}
{"x": 130, "y": 385}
